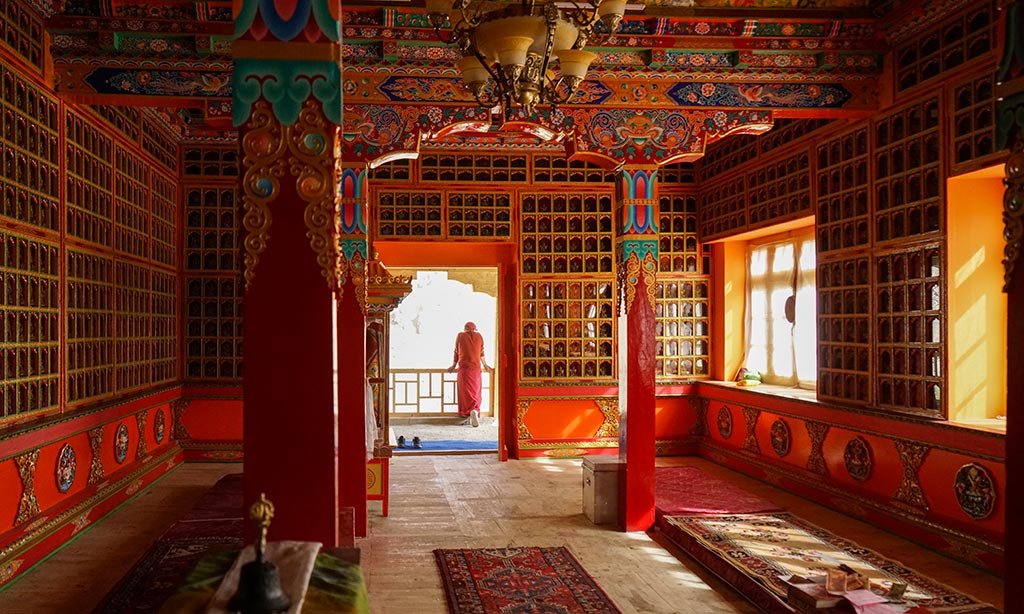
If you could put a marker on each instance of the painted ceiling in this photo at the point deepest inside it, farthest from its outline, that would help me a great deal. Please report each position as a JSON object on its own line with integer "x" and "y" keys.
{"x": 796, "y": 58}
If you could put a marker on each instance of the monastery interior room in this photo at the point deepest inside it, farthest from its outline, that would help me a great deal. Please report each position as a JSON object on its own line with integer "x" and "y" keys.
{"x": 752, "y": 267}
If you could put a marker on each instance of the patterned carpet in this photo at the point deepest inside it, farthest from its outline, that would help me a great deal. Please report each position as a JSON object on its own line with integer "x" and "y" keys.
{"x": 754, "y": 552}
{"x": 689, "y": 490}
{"x": 520, "y": 580}
{"x": 214, "y": 524}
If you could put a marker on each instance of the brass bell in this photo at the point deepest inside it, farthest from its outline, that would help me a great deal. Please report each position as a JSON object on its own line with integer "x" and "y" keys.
{"x": 259, "y": 584}
{"x": 259, "y": 590}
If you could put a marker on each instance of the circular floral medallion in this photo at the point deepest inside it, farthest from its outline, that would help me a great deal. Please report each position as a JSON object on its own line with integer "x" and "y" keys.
{"x": 858, "y": 459}
{"x": 65, "y": 468}
{"x": 975, "y": 491}
{"x": 158, "y": 426}
{"x": 121, "y": 443}
{"x": 780, "y": 437}
{"x": 724, "y": 422}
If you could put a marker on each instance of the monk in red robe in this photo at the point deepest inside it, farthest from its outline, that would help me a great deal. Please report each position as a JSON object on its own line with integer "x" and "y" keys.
{"x": 469, "y": 360}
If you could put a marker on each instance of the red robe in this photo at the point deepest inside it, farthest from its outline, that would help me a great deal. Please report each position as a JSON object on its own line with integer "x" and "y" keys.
{"x": 469, "y": 350}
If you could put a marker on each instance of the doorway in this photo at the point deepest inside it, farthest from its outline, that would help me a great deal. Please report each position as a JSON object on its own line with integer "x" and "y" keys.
{"x": 423, "y": 397}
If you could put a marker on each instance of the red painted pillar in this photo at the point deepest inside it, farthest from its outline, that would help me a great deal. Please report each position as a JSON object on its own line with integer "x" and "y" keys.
{"x": 288, "y": 193}
{"x": 636, "y": 210}
{"x": 350, "y": 331}
{"x": 289, "y": 415}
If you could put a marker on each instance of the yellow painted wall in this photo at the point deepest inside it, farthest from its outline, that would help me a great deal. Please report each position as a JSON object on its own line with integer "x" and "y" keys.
{"x": 976, "y": 303}
{"x": 729, "y": 264}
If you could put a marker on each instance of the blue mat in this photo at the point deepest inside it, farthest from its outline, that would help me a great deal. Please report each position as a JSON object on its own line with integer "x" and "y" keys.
{"x": 442, "y": 445}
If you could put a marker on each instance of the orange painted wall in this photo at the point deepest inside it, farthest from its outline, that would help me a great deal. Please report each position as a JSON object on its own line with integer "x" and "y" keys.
{"x": 580, "y": 418}
{"x": 673, "y": 417}
{"x": 10, "y": 493}
{"x": 563, "y": 419}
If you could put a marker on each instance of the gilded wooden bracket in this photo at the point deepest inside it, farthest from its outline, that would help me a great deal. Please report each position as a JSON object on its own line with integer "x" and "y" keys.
{"x": 303, "y": 150}
{"x": 610, "y": 409}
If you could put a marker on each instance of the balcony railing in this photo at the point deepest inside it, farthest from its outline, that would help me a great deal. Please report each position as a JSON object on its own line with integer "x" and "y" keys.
{"x": 431, "y": 392}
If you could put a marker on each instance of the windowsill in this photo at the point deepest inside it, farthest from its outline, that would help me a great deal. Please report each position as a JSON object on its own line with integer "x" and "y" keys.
{"x": 993, "y": 425}
{"x": 802, "y": 394}
{"x": 987, "y": 425}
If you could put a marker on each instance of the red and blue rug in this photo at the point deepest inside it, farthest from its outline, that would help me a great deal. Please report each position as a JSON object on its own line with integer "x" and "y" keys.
{"x": 526, "y": 580}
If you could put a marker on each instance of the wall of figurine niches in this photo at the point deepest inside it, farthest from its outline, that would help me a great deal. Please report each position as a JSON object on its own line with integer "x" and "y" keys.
{"x": 114, "y": 264}
{"x": 877, "y": 190}
{"x": 213, "y": 288}
{"x": 560, "y": 215}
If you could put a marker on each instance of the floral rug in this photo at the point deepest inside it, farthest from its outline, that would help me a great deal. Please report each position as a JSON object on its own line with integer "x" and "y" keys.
{"x": 755, "y": 552}
{"x": 496, "y": 580}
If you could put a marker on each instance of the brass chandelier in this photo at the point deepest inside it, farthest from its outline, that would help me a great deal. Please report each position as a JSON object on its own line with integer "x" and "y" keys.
{"x": 509, "y": 51}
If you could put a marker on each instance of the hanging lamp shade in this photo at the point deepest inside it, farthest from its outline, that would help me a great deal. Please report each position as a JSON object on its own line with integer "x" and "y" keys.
{"x": 472, "y": 70}
{"x": 575, "y": 62}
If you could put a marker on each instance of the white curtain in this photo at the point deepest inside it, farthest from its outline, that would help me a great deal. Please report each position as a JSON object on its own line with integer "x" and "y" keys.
{"x": 782, "y": 271}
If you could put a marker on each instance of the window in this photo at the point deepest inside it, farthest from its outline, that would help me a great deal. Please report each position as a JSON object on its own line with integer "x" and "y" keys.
{"x": 781, "y": 311}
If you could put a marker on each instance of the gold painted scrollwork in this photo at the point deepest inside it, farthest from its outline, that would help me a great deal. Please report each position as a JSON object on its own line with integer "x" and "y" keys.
{"x": 1013, "y": 209}
{"x": 522, "y": 432}
{"x": 141, "y": 450}
{"x": 650, "y": 271}
{"x": 909, "y": 492}
{"x": 700, "y": 408}
{"x": 262, "y": 151}
{"x": 178, "y": 407}
{"x": 816, "y": 460}
{"x": 610, "y": 409}
{"x": 28, "y": 505}
{"x": 306, "y": 151}
{"x": 630, "y": 279}
{"x": 635, "y": 270}
{"x": 354, "y": 268}
{"x": 750, "y": 416}
{"x": 96, "y": 472}
{"x": 312, "y": 164}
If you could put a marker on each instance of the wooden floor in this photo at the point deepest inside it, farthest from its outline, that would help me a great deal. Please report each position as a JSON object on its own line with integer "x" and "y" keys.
{"x": 457, "y": 502}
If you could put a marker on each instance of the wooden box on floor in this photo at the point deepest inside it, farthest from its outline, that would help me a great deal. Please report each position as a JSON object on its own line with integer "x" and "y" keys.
{"x": 601, "y": 476}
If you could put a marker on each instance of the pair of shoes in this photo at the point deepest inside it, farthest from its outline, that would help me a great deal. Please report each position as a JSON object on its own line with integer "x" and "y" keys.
{"x": 416, "y": 443}
{"x": 474, "y": 418}
{"x": 465, "y": 422}
{"x": 401, "y": 441}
